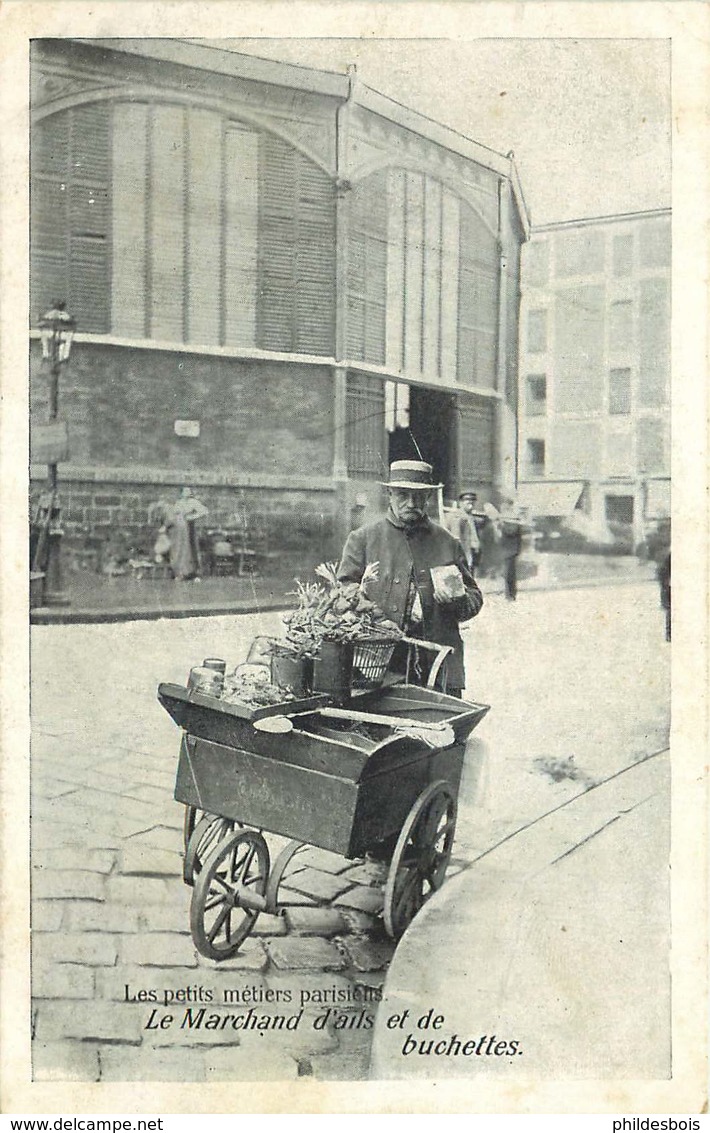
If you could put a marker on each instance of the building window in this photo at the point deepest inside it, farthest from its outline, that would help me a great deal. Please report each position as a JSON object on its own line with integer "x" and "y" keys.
{"x": 621, "y": 327}
{"x": 620, "y": 391}
{"x": 536, "y": 458}
{"x": 537, "y": 263}
{"x": 651, "y": 447}
{"x": 536, "y": 401}
{"x": 579, "y": 252}
{"x": 623, "y": 254}
{"x": 537, "y": 332}
{"x": 655, "y": 245}
{"x": 619, "y": 509}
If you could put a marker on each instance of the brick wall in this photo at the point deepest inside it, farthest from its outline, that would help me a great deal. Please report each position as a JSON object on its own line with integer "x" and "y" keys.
{"x": 121, "y": 404}
{"x": 265, "y": 446}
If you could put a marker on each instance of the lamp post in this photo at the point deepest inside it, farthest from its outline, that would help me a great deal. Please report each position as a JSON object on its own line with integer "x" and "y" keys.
{"x": 56, "y": 331}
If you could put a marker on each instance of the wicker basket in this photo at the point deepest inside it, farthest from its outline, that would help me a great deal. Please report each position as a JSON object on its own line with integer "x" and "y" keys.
{"x": 344, "y": 667}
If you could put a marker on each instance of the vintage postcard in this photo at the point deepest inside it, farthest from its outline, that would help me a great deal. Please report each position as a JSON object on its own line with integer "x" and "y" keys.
{"x": 353, "y": 728}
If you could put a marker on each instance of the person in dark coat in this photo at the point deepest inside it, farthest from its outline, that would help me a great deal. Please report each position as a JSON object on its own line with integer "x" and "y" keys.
{"x": 406, "y": 545}
{"x": 461, "y": 524}
{"x": 664, "y": 581}
{"x": 510, "y": 546}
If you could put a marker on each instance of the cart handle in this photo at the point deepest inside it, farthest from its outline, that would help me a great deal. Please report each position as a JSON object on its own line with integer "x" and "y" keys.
{"x": 442, "y": 651}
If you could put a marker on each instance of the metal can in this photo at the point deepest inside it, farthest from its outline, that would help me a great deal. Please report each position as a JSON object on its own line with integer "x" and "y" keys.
{"x": 215, "y": 663}
{"x": 208, "y": 681}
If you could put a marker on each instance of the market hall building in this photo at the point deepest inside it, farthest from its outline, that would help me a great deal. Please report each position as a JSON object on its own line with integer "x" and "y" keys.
{"x": 281, "y": 279}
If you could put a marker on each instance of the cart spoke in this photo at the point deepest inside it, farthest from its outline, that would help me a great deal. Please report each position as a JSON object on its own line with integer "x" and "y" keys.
{"x": 247, "y": 863}
{"x": 221, "y": 881}
{"x": 219, "y": 921}
{"x": 212, "y": 902}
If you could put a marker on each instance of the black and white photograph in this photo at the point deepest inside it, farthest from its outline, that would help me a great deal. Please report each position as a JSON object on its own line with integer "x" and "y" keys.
{"x": 351, "y": 495}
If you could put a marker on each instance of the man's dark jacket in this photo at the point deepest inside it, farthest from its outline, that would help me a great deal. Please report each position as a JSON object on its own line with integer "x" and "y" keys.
{"x": 401, "y": 551}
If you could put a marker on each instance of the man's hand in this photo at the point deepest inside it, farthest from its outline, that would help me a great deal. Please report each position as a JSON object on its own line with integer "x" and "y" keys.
{"x": 442, "y": 596}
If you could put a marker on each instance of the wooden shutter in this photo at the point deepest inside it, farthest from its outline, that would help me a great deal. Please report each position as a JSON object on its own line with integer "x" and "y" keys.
{"x": 204, "y": 227}
{"x": 367, "y": 270}
{"x": 476, "y": 436}
{"x": 70, "y": 220}
{"x": 315, "y": 260}
{"x": 129, "y": 209}
{"x": 296, "y": 308}
{"x": 413, "y": 270}
{"x": 240, "y": 235}
{"x": 478, "y": 301}
{"x": 365, "y": 425}
{"x": 168, "y": 224}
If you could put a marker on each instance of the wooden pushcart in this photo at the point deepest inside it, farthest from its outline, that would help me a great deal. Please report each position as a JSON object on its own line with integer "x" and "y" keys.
{"x": 379, "y": 777}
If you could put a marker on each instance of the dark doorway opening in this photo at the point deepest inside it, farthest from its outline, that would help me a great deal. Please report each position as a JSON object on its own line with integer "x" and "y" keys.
{"x": 430, "y": 435}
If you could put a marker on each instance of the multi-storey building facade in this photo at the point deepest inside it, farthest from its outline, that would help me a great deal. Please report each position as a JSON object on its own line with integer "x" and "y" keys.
{"x": 281, "y": 280}
{"x": 595, "y": 370}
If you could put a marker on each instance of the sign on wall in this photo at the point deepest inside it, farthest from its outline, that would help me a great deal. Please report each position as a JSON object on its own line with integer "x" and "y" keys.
{"x": 49, "y": 443}
{"x": 187, "y": 428}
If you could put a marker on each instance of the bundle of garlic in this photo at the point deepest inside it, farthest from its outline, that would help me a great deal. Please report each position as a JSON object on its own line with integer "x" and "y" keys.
{"x": 336, "y": 611}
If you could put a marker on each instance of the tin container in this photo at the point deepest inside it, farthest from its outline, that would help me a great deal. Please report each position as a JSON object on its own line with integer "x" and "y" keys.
{"x": 206, "y": 680}
{"x": 215, "y": 663}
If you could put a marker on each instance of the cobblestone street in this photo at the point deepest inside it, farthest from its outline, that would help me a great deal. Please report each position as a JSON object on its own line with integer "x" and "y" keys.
{"x": 112, "y": 951}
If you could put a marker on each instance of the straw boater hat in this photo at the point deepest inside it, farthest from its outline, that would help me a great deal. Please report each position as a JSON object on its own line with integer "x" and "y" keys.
{"x": 468, "y": 493}
{"x": 411, "y": 474}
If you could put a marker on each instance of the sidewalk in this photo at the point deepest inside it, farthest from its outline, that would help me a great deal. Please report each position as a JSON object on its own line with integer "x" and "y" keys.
{"x": 549, "y": 956}
{"x": 97, "y": 598}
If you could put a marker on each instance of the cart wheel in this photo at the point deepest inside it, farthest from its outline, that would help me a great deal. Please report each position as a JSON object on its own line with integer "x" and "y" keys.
{"x": 218, "y": 922}
{"x": 188, "y": 825}
{"x": 272, "y": 889}
{"x": 205, "y": 837}
{"x": 421, "y": 856}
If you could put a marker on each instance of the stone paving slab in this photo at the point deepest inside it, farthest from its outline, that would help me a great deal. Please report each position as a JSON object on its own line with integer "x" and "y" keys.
{"x": 92, "y": 948}
{"x": 357, "y": 921}
{"x": 316, "y": 883}
{"x": 315, "y": 921}
{"x": 366, "y": 873}
{"x": 97, "y": 800}
{"x": 51, "y": 789}
{"x": 289, "y": 897}
{"x": 305, "y": 952}
{"x": 67, "y": 1061}
{"x": 89, "y": 1021}
{"x": 310, "y": 989}
{"x": 138, "y": 891}
{"x": 365, "y": 899}
{"x": 48, "y": 835}
{"x": 59, "y": 884}
{"x": 64, "y": 981}
{"x": 325, "y": 860}
{"x": 148, "y": 1064}
{"x": 73, "y": 858}
{"x": 92, "y": 916}
{"x": 251, "y": 957}
{"x": 149, "y": 861}
{"x": 158, "y": 949}
{"x": 148, "y": 793}
{"x": 244, "y": 1065}
{"x": 267, "y": 924}
{"x": 367, "y": 955}
{"x": 174, "y": 917}
{"x": 47, "y": 916}
{"x": 158, "y": 837}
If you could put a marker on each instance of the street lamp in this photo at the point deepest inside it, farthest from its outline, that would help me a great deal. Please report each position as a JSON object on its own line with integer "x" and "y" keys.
{"x": 56, "y": 331}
